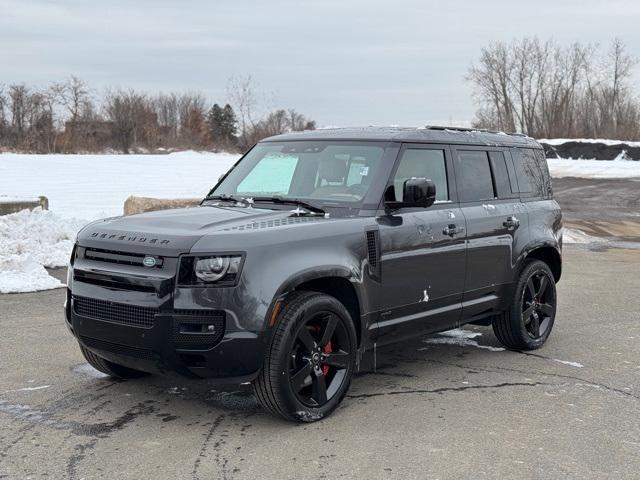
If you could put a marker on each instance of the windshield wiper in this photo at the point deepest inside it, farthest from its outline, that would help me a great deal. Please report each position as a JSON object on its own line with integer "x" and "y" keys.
{"x": 290, "y": 201}
{"x": 229, "y": 198}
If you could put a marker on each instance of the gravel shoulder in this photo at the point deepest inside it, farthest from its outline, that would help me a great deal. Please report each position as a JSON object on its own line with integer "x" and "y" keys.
{"x": 458, "y": 408}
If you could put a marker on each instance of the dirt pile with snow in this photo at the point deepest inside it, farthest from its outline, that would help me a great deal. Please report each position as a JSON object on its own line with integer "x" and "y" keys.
{"x": 30, "y": 241}
{"x": 590, "y": 148}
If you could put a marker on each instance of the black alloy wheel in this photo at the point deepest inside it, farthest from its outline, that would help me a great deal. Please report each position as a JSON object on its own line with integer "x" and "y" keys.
{"x": 528, "y": 321}
{"x": 311, "y": 359}
{"x": 538, "y": 304}
{"x": 320, "y": 356}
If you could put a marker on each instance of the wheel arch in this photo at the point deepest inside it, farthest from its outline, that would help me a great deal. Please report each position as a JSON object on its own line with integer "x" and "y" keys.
{"x": 547, "y": 253}
{"x": 338, "y": 282}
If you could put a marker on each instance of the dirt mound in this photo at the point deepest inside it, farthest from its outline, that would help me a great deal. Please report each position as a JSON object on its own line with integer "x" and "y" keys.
{"x": 591, "y": 150}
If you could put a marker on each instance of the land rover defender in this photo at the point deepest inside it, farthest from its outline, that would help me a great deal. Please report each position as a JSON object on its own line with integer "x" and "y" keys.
{"x": 314, "y": 248}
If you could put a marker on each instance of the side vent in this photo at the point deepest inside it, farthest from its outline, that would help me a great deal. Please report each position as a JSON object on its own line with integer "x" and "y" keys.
{"x": 373, "y": 254}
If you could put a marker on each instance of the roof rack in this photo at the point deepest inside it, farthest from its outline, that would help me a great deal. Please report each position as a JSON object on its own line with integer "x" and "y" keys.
{"x": 465, "y": 129}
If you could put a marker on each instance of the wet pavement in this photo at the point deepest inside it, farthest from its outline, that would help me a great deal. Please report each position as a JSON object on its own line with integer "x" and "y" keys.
{"x": 605, "y": 208}
{"x": 438, "y": 407}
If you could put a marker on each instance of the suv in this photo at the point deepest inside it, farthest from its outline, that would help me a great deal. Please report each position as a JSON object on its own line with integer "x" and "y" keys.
{"x": 315, "y": 248}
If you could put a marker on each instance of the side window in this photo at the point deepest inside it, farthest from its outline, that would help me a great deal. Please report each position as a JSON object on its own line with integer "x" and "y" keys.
{"x": 422, "y": 163}
{"x": 528, "y": 172}
{"x": 474, "y": 172}
{"x": 501, "y": 175}
{"x": 546, "y": 177}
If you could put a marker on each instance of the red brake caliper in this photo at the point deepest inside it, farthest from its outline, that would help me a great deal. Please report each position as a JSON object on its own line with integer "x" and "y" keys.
{"x": 326, "y": 349}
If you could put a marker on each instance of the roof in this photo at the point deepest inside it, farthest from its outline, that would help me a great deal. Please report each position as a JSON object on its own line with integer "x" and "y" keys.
{"x": 429, "y": 134}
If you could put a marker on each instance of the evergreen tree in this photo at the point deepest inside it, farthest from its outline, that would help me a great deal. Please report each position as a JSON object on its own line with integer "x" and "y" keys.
{"x": 221, "y": 123}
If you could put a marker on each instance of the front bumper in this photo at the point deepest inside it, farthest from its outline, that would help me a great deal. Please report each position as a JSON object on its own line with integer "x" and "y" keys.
{"x": 143, "y": 322}
{"x": 166, "y": 346}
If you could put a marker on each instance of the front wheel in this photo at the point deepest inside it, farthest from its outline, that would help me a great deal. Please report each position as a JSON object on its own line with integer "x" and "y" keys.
{"x": 528, "y": 322}
{"x": 309, "y": 365}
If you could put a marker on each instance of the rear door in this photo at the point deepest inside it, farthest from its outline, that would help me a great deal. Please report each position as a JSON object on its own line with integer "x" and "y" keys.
{"x": 490, "y": 204}
{"x": 422, "y": 251}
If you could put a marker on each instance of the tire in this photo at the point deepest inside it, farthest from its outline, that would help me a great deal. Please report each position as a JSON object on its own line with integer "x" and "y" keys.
{"x": 531, "y": 315}
{"x": 308, "y": 367}
{"x": 110, "y": 368}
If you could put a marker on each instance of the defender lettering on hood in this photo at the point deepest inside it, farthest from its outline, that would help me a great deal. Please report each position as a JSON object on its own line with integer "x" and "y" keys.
{"x": 127, "y": 238}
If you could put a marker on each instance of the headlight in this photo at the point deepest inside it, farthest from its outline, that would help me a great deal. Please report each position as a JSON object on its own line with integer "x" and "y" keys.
{"x": 219, "y": 270}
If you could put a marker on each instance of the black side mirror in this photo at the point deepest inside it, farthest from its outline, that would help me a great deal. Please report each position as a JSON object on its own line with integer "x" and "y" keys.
{"x": 416, "y": 192}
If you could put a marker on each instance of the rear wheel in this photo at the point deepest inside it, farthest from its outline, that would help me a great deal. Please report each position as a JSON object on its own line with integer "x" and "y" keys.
{"x": 528, "y": 322}
{"x": 309, "y": 365}
{"x": 110, "y": 368}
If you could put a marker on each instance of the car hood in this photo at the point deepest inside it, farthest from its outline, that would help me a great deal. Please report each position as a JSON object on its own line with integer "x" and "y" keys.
{"x": 172, "y": 232}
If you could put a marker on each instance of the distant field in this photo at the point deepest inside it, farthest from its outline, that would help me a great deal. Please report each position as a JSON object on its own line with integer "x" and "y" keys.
{"x": 95, "y": 186}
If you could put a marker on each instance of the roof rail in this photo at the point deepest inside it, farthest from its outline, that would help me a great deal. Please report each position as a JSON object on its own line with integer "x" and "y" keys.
{"x": 466, "y": 129}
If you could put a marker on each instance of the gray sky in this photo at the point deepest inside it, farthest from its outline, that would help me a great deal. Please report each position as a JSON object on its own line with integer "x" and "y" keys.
{"x": 341, "y": 62}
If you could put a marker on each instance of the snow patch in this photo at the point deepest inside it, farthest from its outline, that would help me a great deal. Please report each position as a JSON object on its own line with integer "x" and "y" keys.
{"x": 88, "y": 371}
{"x": 570, "y": 235}
{"x": 618, "y": 168}
{"x": 308, "y": 416}
{"x": 29, "y": 389}
{"x": 605, "y": 141}
{"x": 20, "y": 274}
{"x": 461, "y": 338}
{"x": 566, "y": 362}
{"x": 29, "y": 241}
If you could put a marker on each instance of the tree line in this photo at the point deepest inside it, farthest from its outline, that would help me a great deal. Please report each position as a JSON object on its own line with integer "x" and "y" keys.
{"x": 547, "y": 90}
{"x": 70, "y": 117}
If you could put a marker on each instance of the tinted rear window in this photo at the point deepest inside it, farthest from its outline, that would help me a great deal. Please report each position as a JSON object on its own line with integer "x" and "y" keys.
{"x": 476, "y": 182}
{"x": 500, "y": 175}
{"x": 531, "y": 180}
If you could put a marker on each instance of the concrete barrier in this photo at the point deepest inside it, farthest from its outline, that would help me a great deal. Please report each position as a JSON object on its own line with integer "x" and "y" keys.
{"x": 133, "y": 205}
{"x": 10, "y": 205}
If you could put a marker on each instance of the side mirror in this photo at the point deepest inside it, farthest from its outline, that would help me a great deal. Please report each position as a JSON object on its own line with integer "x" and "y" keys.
{"x": 416, "y": 192}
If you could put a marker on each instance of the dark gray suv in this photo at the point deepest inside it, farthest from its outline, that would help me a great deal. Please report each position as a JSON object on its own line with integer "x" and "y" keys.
{"x": 316, "y": 247}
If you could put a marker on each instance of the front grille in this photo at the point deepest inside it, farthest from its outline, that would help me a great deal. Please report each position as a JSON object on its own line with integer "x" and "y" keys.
{"x": 121, "y": 313}
{"x": 117, "y": 348}
{"x": 110, "y": 283}
{"x": 122, "y": 258}
{"x": 190, "y": 328}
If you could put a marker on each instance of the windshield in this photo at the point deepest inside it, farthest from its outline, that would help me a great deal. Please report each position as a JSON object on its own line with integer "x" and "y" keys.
{"x": 320, "y": 172}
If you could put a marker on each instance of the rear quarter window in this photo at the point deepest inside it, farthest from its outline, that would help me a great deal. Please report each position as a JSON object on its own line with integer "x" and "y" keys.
{"x": 531, "y": 179}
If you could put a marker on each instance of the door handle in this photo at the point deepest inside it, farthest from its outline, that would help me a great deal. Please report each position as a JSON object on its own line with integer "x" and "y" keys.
{"x": 452, "y": 230}
{"x": 511, "y": 223}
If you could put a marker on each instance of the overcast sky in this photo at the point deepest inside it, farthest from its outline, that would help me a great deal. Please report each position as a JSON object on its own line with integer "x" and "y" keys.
{"x": 341, "y": 62}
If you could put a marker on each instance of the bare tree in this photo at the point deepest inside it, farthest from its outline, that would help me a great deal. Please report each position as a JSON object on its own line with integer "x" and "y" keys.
{"x": 547, "y": 90}
{"x": 166, "y": 107}
{"x": 192, "y": 114}
{"x": 133, "y": 119}
{"x": 242, "y": 97}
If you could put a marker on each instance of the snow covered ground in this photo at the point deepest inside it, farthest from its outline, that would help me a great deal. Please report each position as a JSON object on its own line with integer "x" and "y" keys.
{"x": 593, "y": 168}
{"x": 96, "y": 186}
{"x": 82, "y": 188}
{"x": 604, "y": 141}
{"x": 30, "y": 241}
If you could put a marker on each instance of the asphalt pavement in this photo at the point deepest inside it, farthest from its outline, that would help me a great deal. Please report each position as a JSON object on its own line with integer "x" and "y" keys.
{"x": 437, "y": 407}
